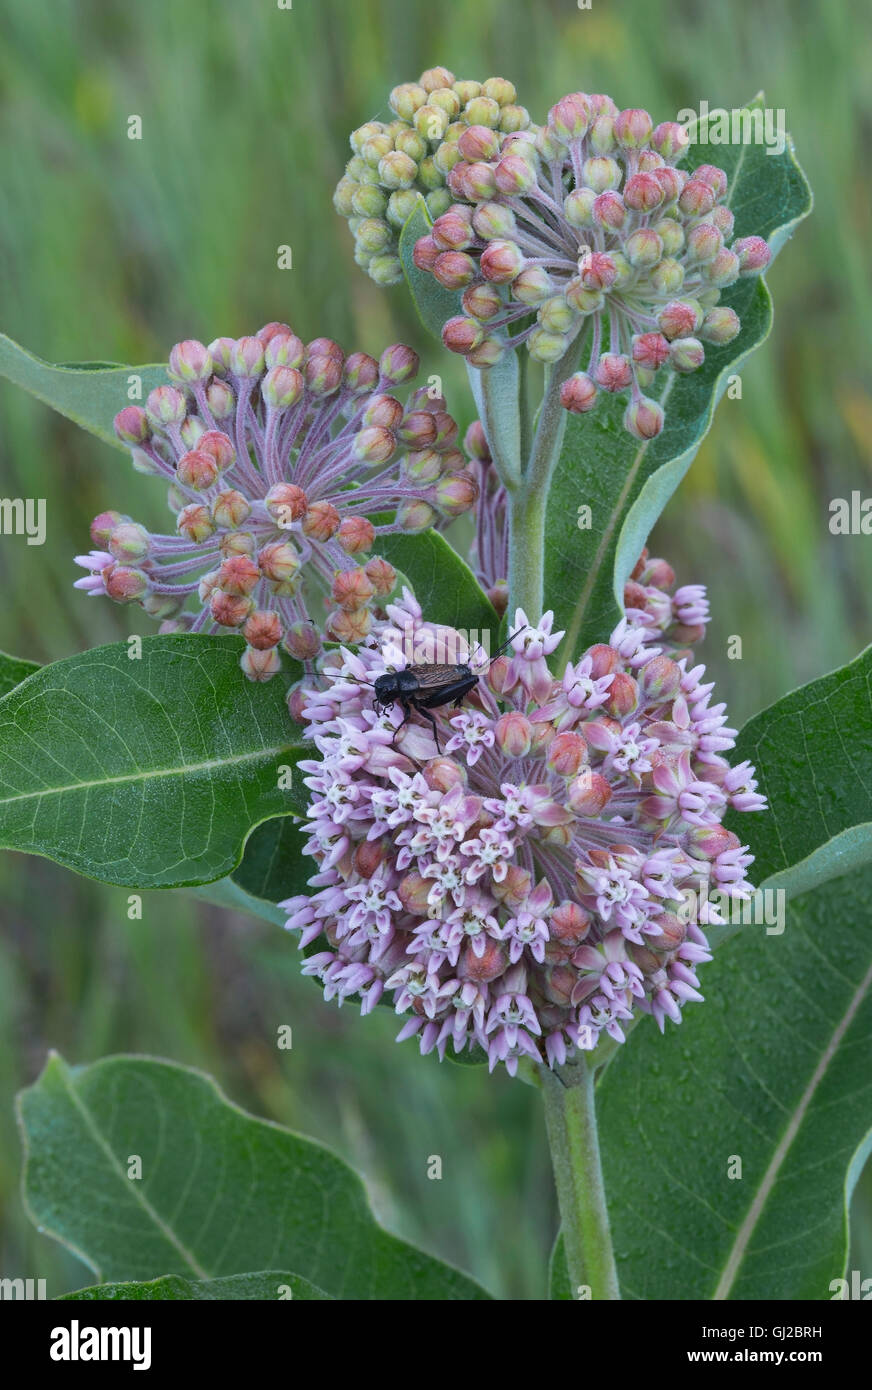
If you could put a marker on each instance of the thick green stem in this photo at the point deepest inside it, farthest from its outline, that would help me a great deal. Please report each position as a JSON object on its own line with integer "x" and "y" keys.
{"x": 526, "y": 551}
{"x": 570, "y": 1116}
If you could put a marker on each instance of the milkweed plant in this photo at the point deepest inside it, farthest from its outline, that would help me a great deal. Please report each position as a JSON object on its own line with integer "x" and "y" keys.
{"x": 505, "y": 800}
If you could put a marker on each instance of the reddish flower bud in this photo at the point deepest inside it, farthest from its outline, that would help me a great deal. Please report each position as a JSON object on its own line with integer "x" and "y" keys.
{"x": 368, "y": 856}
{"x": 131, "y": 425}
{"x": 360, "y": 372}
{"x": 195, "y": 522}
{"x": 567, "y": 754}
{"x": 643, "y": 418}
{"x": 633, "y": 128}
{"x": 475, "y": 442}
{"x": 262, "y": 629}
{"x": 514, "y": 175}
{"x": 418, "y": 429}
{"x": 479, "y": 142}
{"x": 219, "y": 446}
{"x": 588, "y": 794}
{"x": 680, "y": 318}
{"x": 514, "y": 734}
{"x": 670, "y": 139}
{"x": 197, "y": 470}
{"x": 416, "y": 516}
{"x": 351, "y": 589}
{"x": 350, "y": 627}
{"x": 714, "y": 177}
{"x": 260, "y": 665}
{"x": 578, "y": 393}
{"x": 482, "y": 302}
{"x": 650, "y": 350}
{"x": 452, "y": 231}
{"x": 413, "y": 892}
{"x": 230, "y": 509}
{"x": 461, "y": 334}
{"x": 753, "y": 253}
{"x": 302, "y": 641}
{"x": 282, "y": 387}
{"x": 238, "y": 575}
{"x": 286, "y": 503}
{"x": 704, "y": 241}
{"x": 381, "y": 575}
{"x": 455, "y": 493}
{"x": 321, "y": 521}
{"x": 501, "y": 262}
{"x": 441, "y": 774}
{"x": 660, "y": 679}
{"x": 356, "y": 534}
{"x": 297, "y": 699}
{"x": 623, "y": 696}
{"x": 124, "y": 584}
{"x": 279, "y": 560}
{"x": 720, "y": 325}
{"x": 696, "y": 198}
{"x": 165, "y": 406}
{"x": 190, "y": 361}
{"x": 230, "y": 610}
{"x": 374, "y": 445}
{"x": 613, "y": 372}
{"x": 610, "y": 210}
{"x": 686, "y": 354}
{"x": 129, "y": 542}
{"x": 426, "y": 253}
{"x": 643, "y": 192}
{"x": 323, "y": 376}
{"x": 604, "y": 660}
{"x": 102, "y": 527}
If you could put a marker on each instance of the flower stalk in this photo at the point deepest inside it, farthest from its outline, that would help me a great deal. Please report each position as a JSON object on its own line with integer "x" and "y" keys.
{"x": 570, "y": 1117}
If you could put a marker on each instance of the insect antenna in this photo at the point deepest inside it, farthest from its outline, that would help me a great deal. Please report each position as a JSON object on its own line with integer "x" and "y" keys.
{"x": 503, "y": 645}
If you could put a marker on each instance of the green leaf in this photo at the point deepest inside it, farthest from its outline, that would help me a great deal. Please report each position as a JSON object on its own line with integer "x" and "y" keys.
{"x": 273, "y": 866}
{"x": 444, "y": 585}
{"x": 627, "y": 483}
{"x": 89, "y": 393}
{"x": 13, "y": 670}
{"x": 221, "y": 1192}
{"x": 772, "y": 1069}
{"x": 266, "y": 1286}
{"x": 147, "y": 772}
{"x": 813, "y": 754}
{"x": 435, "y": 304}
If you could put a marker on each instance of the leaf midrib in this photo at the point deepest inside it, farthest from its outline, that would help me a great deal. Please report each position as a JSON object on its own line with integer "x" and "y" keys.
{"x": 755, "y": 1211}
{"x": 143, "y": 775}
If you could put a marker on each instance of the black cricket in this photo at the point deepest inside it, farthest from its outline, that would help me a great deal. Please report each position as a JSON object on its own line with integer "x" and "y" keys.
{"x": 428, "y": 686}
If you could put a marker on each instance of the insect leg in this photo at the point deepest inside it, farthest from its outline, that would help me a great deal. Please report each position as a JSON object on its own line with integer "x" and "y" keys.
{"x": 425, "y": 713}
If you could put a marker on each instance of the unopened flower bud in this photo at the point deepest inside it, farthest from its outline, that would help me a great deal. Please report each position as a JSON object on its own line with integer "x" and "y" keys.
{"x": 302, "y": 641}
{"x": 260, "y": 665}
{"x": 165, "y": 406}
{"x": 125, "y": 584}
{"x": 349, "y": 626}
{"x": 567, "y": 754}
{"x": 613, "y": 372}
{"x": 643, "y": 192}
{"x": 321, "y": 521}
{"x": 131, "y": 425}
{"x": 415, "y": 515}
{"x": 753, "y": 253}
{"x": 229, "y": 610}
{"x": 286, "y": 503}
{"x": 600, "y": 172}
{"x": 643, "y": 247}
{"x": 195, "y": 522}
{"x": 381, "y": 575}
{"x": 282, "y": 387}
{"x": 644, "y": 418}
{"x": 622, "y": 697}
{"x": 262, "y": 629}
{"x": 660, "y": 679}
{"x": 455, "y": 493}
{"x": 578, "y": 393}
{"x": 238, "y": 575}
{"x": 219, "y": 447}
{"x": 680, "y": 318}
{"x": 279, "y": 560}
{"x": 190, "y": 361}
{"x": 360, "y": 372}
{"x": 102, "y": 527}
{"x": 633, "y": 128}
{"x": 704, "y": 241}
{"x": 197, "y": 470}
{"x": 667, "y": 277}
{"x": 513, "y": 733}
{"x": 220, "y": 399}
{"x": 397, "y": 364}
{"x": 441, "y": 774}
{"x": 650, "y": 350}
{"x": 670, "y": 139}
{"x": 356, "y": 534}
{"x": 588, "y": 794}
{"x": 686, "y": 354}
{"x": 374, "y": 445}
{"x": 129, "y": 542}
{"x": 720, "y": 325}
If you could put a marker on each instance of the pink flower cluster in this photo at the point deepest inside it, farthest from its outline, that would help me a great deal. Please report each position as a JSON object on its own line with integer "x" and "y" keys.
{"x": 546, "y": 873}
{"x": 588, "y": 225}
{"x": 286, "y": 462}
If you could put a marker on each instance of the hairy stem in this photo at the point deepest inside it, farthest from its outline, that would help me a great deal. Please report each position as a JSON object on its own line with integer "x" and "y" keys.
{"x": 570, "y": 1117}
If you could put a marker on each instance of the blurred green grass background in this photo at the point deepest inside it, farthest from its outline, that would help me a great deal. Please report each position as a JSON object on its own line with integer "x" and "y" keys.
{"x": 112, "y": 249}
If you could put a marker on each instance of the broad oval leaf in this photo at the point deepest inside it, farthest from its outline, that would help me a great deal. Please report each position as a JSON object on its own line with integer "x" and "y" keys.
{"x": 221, "y": 1192}
{"x": 265, "y": 1285}
{"x": 772, "y": 1070}
{"x": 147, "y": 772}
{"x": 13, "y": 670}
{"x": 813, "y": 754}
{"x": 88, "y": 393}
{"x": 627, "y": 484}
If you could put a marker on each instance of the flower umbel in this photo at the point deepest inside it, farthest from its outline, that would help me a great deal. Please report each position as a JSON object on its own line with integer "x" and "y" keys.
{"x": 587, "y": 224}
{"x": 278, "y": 454}
{"x": 394, "y": 163}
{"x": 548, "y": 875}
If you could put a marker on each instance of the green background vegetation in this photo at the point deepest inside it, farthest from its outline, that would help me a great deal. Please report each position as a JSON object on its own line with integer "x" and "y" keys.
{"x": 112, "y": 250}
